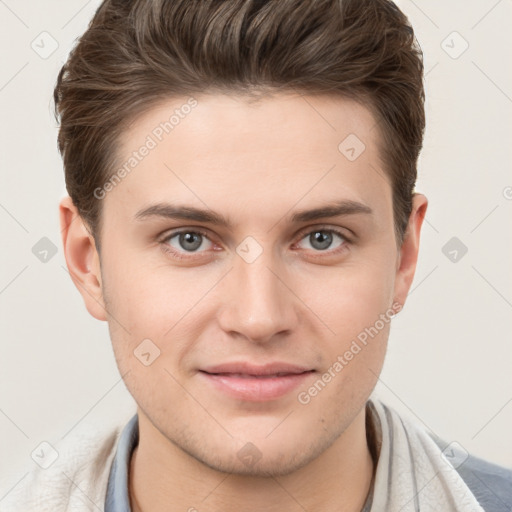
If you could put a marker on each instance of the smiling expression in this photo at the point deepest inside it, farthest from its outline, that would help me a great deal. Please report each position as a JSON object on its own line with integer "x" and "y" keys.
{"x": 250, "y": 251}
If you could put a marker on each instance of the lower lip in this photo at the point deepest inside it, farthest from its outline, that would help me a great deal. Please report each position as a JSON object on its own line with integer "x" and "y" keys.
{"x": 257, "y": 389}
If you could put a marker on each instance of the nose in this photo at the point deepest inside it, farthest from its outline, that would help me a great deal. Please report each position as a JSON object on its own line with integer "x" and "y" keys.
{"x": 258, "y": 304}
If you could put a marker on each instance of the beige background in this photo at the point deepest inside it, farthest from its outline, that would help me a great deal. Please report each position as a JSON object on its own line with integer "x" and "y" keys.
{"x": 450, "y": 354}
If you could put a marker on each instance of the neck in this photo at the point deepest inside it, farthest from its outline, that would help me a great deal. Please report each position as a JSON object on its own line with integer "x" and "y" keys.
{"x": 338, "y": 480}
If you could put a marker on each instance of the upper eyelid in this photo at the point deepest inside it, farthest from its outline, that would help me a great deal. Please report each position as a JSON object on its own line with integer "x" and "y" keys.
{"x": 337, "y": 230}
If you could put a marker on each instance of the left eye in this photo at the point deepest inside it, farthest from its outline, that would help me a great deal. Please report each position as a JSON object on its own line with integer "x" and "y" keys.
{"x": 322, "y": 239}
{"x": 189, "y": 241}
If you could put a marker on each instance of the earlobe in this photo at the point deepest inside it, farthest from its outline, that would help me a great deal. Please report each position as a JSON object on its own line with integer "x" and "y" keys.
{"x": 82, "y": 258}
{"x": 409, "y": 251}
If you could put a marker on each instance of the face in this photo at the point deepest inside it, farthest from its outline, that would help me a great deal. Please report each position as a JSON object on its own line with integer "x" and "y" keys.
{"x": 248, "y": 267}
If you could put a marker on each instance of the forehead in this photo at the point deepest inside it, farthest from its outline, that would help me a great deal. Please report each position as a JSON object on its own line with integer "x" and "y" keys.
{"x": 231, "y": 153}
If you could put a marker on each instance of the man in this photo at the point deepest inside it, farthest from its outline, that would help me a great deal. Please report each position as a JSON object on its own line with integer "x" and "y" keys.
{"x": 242, "y": 213}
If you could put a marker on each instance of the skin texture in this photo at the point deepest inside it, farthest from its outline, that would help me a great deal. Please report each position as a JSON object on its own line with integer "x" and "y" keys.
{"x": 256, "y": 164}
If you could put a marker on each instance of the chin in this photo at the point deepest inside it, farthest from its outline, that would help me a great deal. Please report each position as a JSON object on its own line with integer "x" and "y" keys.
{"x": 266, "y": 467}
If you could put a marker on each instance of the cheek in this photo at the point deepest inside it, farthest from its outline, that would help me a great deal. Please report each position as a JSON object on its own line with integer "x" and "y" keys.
{"x": 149, "y": 296}
{"x": 351, "y": 298}
{"x": 155, "y": 302}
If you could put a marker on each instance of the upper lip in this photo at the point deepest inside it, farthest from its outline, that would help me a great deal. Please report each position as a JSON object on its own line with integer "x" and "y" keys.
{"x": 252, "y": 369}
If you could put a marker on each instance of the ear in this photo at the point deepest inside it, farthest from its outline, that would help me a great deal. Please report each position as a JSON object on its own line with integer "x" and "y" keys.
{"x": 82, "y": 258}
{"x": 408, "y": 256}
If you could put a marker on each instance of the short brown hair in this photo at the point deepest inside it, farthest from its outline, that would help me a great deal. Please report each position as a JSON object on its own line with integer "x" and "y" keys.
{"x": 136, "y": 53}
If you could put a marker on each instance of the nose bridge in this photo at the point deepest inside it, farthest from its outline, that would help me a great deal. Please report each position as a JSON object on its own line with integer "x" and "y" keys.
{"x": 259, "y": 305}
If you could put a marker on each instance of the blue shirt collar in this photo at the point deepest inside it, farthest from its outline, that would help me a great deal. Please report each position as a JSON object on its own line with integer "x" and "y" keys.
{"x": 118, "y": 498}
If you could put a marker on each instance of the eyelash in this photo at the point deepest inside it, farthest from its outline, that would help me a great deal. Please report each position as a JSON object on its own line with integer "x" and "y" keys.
{"x": 179, "y": 255}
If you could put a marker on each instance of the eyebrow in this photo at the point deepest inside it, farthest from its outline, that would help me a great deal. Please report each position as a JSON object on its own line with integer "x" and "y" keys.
{"x": 170, "y": 211}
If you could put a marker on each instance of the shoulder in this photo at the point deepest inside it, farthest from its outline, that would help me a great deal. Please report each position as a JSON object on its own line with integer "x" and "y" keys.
{"x": 482, "y": 482}
{"x": 77, "y": 478}
{"x": 490, "y": 483}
